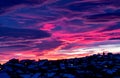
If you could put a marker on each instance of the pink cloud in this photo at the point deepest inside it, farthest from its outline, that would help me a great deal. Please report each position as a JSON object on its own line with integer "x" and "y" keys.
{"x": 48, "y": 27}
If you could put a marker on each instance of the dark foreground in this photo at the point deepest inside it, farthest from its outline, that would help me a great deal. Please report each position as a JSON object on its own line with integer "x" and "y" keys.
{"x": 95, "y": 66}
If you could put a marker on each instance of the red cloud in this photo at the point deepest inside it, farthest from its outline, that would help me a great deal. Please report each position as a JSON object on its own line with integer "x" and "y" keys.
{"x": 48, "y": 26}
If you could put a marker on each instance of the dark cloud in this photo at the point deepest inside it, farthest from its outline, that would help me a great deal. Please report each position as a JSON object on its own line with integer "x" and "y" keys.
{"x": 104, "y": 17}
{"x": 48, "y": 45}
{"x": 113, "y": 27}
{"x": 17, "y": 46}
{"x": 22, "y": 33}
{"x": 114, "y": 3}
{"x": 6, "y": 4}
{"x": 20, "y": 39}
{"x": 84, "y": 6}
{"x": 117, "y": 38}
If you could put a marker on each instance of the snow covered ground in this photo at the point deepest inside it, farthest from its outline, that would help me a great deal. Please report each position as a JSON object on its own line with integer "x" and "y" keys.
{"x": 95, "y": 66}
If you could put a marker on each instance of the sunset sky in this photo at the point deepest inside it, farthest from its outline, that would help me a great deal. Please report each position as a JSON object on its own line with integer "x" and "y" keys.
{"x": 58, "y": 29}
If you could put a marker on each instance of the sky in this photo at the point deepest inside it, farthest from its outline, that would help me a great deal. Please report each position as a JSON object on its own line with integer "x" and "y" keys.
{"x": 58, "y": 29}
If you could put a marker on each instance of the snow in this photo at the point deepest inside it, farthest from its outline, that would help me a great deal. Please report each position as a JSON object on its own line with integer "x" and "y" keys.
{"x": 51, "y": 74}
{"x": 26, "y": 76}
{"x": 109, "y": 71}
{"x": 68, "y": 76}
{"x": 4, "y": 75}
{"x": 93, "y": 66}
{"x": 36, "y": 75}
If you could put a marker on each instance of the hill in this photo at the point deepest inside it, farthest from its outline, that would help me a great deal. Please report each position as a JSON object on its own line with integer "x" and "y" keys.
{"x": 95, "y": 66}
